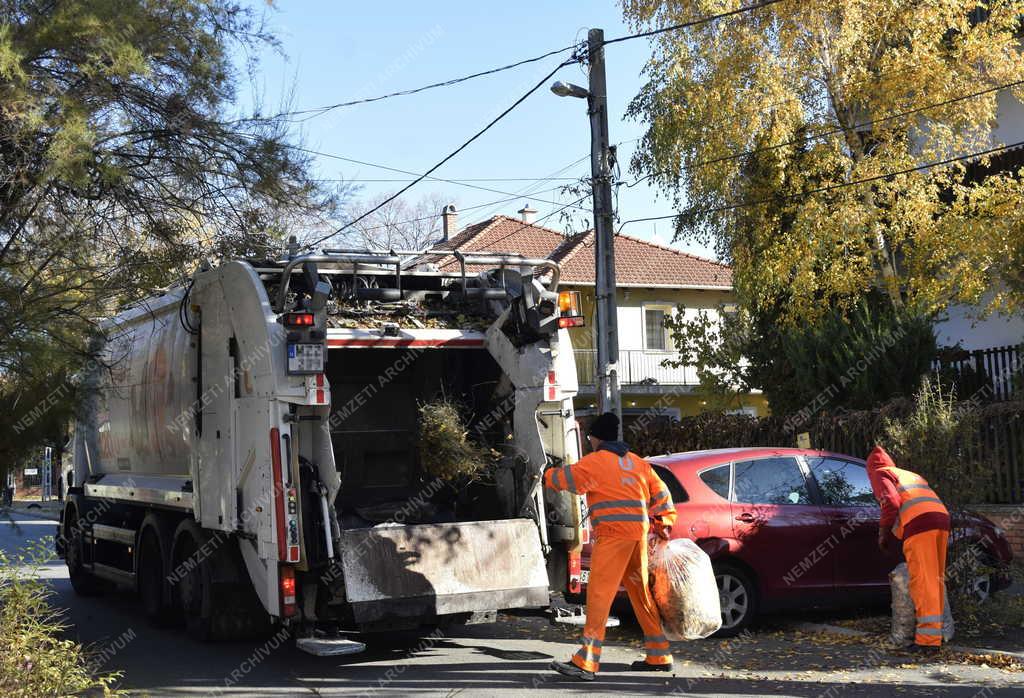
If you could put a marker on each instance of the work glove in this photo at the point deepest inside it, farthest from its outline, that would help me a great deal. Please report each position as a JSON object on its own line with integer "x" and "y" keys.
{"x": 883, "y": 541}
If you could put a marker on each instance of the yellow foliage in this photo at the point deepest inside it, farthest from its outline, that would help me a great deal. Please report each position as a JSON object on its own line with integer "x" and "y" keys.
{"x": 776, "y": 104}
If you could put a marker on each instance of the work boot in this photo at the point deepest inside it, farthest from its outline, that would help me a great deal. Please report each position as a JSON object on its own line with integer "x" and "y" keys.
{"x": 641, "y": 665}
{"x": 926, "y": 650}
{"x": 571, "y": 670}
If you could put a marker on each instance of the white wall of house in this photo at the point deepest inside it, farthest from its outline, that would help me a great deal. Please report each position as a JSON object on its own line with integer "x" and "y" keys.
{"x": 1009, "y": 119}
{"x": 635, "y": 305}
{"x": 963, "y": 324}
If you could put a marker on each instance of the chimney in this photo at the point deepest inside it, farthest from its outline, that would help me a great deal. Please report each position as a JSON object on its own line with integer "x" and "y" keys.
{"x": 527, "y": 213}
{"x": 450, "y": 218}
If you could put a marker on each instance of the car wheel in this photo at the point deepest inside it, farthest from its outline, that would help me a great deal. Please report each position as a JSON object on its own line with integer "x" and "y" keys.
{"x": 981, "y": 587}
{"x": 737, "y": 596}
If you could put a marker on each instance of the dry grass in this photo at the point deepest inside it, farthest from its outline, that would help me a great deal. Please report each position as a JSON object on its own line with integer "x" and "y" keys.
{"x": 445, "y": 449}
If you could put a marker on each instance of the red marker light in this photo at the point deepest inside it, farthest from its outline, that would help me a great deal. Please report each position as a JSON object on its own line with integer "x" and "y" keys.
{"x": 287, "y": 575}
{"x": 564, "y": 322}
{"x": 298, "y": 319}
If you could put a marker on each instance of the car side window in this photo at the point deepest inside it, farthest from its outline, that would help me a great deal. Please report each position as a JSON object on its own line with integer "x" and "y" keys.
{"x": 770, "y": 481}
{"x": 675, "y": 488}
{"x": 842, "y": 482}
{"x": 718, "y": 480}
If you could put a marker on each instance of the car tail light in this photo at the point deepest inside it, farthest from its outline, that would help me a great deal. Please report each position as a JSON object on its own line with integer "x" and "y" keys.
{"x": 564, "y": 322}
{"x": 287, "y": 577}
{"x": 298, "y": 319}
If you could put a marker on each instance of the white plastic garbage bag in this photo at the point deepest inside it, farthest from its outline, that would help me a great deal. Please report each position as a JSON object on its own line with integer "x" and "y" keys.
{"x": 904, "y": 617}
{"x": 684, "y": 588}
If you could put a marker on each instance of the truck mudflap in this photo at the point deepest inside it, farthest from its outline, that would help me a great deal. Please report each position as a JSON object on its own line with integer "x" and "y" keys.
{"x": 430, "y": 570}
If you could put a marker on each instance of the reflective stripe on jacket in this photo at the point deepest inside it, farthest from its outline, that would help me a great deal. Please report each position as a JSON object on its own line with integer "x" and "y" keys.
{"x": 916, "y": 498}
{"x": 623, "y": 493}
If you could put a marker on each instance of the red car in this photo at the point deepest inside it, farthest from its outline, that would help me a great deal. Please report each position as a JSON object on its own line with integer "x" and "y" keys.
{"x": 793, "y": 528}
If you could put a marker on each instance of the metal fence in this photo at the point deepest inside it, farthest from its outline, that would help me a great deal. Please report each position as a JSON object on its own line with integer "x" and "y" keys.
{"x": 636, "y": 367}
{"x": 999, "y": 440}
{"x": 984, "y": 375}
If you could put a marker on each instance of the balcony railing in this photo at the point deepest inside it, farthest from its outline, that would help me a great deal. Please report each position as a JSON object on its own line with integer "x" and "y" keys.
{"x": 636, "y": 367}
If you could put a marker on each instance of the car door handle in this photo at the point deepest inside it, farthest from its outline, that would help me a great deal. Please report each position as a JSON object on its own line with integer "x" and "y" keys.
{"x": 746, "y": 517}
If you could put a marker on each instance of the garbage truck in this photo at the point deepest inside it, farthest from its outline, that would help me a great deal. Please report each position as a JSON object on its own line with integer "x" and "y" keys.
{"x": 248, "y": 452}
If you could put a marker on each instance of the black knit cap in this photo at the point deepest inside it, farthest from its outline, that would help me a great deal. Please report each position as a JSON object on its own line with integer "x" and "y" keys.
{"x": 605, "y": 427}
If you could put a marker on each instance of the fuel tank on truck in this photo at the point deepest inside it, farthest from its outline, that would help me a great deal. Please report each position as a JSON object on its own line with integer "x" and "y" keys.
{"x": 140, "y": 418}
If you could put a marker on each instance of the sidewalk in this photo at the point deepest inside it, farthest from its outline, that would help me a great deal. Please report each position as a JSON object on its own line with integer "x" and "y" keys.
{"x": 33, "y": 507}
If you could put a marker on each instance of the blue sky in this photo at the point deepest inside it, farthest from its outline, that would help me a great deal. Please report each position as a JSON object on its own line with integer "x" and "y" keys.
{"x": 337, "y": 51}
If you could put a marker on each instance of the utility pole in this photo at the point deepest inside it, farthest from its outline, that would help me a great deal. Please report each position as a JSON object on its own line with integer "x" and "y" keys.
{"x": 608, "y": 399}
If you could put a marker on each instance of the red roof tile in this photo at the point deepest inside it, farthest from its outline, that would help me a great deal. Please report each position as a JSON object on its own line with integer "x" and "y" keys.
{"x": 637, "y": 262}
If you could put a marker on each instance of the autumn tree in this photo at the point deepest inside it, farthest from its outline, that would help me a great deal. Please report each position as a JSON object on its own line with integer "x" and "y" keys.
{"x": 789, "y": 135}
{"x": 122, "y": 164}
{"x": 398, "y": 224}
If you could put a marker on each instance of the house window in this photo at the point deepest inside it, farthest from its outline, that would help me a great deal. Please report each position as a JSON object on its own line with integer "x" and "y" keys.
{"x": 654, "y": 329}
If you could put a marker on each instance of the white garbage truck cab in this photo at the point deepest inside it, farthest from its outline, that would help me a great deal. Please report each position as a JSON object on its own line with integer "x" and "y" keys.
{"x": 249, "y": 448}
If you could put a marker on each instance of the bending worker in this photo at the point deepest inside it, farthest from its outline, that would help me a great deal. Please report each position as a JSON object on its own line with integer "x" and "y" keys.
{"x": 913, "y": 513}
{"x": 623, "y": 492}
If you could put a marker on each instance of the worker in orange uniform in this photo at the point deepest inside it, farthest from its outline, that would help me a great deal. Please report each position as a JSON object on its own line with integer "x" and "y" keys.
{"x": 913, "y": 513}
{"x": 626, "y": 500}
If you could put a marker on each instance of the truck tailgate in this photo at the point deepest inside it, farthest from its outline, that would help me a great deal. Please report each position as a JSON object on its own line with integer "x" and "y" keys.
{"x": 437, "y": 569}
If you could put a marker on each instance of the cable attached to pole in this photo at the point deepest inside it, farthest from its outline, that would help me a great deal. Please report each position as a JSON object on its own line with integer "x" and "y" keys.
{"x": 466, "y": 144}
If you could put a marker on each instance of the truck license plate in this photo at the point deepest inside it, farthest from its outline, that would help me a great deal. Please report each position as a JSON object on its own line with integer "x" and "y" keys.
{"x": 305, "y": 358}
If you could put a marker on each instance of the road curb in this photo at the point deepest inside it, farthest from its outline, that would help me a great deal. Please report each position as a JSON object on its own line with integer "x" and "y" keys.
{"x": 851, "y": 632}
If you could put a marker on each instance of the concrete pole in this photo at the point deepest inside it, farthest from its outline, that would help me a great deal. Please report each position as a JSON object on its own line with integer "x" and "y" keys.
{"x": 608, "y": 399}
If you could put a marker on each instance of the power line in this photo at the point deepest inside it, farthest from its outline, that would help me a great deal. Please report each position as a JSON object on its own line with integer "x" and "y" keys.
{"x": 460, "y": 180}
{"x": 319, "y": 111}
{"x": 532, "y": 191}
{"x": 831, "y": 187}
{"x": 457, "y": 182}
{"x": 833, "y": 131}
{"x": 443, "y": 253}
{"x": 452, "y": 154}
{"x": 694, "y": 23}
{"x": 461, "y": 209}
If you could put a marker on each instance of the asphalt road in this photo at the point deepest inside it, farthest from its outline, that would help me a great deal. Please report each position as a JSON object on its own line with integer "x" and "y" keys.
{"x": 508, "y": 658}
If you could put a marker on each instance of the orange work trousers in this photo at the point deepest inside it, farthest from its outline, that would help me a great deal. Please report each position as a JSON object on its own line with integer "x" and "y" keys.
{"x": 926, "y": 563}
{"x": 616, "y": 561}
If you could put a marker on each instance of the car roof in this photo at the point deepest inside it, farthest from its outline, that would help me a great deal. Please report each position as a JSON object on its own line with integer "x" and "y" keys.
{"x": 717, "y": 456}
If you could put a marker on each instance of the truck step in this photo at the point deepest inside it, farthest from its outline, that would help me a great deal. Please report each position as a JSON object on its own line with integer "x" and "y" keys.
{"x": 577, "y": 615}
{"x": 329, "y": 647}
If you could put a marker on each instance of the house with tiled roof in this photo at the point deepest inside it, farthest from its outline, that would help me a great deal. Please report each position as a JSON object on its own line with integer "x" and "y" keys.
{"x": 652, "y": 281}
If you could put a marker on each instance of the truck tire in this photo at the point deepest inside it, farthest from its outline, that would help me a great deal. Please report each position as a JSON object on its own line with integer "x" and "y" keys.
{"x": 213, "y": 591}
{"x": 193, "y": 587}
{"x": 151, "y": 573}
{"x": 82, "y": 580}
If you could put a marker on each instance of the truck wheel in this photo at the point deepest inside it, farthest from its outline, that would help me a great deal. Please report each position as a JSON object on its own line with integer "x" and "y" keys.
{"x": 82, "y": 580}
{"x": 227, "y": 609}
{"x": 193, "y": 588}
{"x": 152, "y": 579}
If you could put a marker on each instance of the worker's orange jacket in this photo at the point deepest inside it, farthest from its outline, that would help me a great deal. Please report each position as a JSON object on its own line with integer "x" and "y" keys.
{"x": 624, "y": 494}
{"x": 909, "y": 504}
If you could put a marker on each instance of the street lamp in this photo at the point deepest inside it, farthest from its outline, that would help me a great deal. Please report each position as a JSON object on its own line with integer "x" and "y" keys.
{"x": 608, "y": 397}
{"x": 567, "y": 89}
